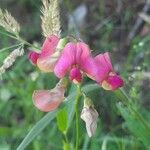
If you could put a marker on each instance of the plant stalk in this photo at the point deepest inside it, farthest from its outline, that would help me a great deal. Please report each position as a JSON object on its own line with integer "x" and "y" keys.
{"x": 77, "y": 115}
{"x": 17, "y": 37}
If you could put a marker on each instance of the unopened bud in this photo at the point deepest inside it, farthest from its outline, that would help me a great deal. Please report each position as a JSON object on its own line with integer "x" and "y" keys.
{"x": 89, "y": 115}
{"x": 62, "y": 43}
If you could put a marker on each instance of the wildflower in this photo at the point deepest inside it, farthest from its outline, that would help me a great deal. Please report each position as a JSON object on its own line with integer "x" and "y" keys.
{"x": 106, "y": 76}
{"x": 48, "y": 56}
{"x": 75, "y": 59}
{"x": 49, "y": 100}
{"x": 89, "y": 115}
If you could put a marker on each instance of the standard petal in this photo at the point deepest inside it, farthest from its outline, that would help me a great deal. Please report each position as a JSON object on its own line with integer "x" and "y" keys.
{"x": 47, "y": 100}
{"x": 33, "y": 56}
{"x": 108, "y": 60}
{"x": 49, "y": 46}
{"x": 66, "y": 60}
{"x": 103, "y": 65}
{"x": 82, "y": 52}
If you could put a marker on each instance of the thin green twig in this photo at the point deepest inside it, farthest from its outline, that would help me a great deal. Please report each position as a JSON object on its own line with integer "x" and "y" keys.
{"x": 10, "y": 47}
{"x": 66, "y": 141}
{"x": 17, "y": 37}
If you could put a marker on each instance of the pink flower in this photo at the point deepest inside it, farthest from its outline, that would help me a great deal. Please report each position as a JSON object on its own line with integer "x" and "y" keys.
{"x": 76, "y": 60}
{"x": 46, "y": 59}
{"x": 106, "y": 75}
{"x": 49, "y": 100}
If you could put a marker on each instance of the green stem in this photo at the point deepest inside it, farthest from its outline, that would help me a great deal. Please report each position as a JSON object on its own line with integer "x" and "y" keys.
{"x": 126, "y": 100}
{"x": 17, "y": 37}
{"x": 26, "y": 43}
{"x": 10, "y": 47}
{"x": 66, "y": 138}
{"x": 77, "y": 115}
{"x": 66, "y": 142}
{"x": 7, "y": 34}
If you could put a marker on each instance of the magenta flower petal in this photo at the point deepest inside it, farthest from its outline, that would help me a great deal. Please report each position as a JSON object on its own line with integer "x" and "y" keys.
{"x": 75, "y": 75}
{"x": 115, "y": 82}
{"x": 49, "y": 46}
{"x": 46, "y": 100}
{"x": 108, "y": 60}
{"x": 66, "y": 60}
{"x": 103, "y": 65}
{"x": 82, "y": 52}
{"x": 33, "y": 56}
{"x": 89, "y": 68}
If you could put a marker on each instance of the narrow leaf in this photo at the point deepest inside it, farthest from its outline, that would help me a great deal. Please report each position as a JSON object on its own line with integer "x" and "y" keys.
{"x": 37, "y": 129}
{"x": 135, "y": 126}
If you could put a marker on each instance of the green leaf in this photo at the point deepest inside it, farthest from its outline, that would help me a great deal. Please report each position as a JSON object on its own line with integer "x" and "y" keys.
{"x": 135, "y": 125}
{"x": 62, "y": 120}
{"x": 37, "y": 129}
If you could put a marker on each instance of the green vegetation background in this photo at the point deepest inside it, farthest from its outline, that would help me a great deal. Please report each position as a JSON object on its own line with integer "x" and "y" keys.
{"x": 106, "y": 28}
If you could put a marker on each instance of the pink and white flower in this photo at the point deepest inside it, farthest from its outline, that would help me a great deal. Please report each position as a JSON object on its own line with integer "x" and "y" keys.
{"x": 75, "y": 60}
{"x": 106, "y": 76}
{"x": 46, "y": 59}
{"x": 49, "y": 100}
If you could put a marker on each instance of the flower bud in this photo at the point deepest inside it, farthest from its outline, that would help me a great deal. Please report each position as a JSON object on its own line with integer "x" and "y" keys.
{"x": 89, "y": 115}
{"x": 62, "y": 42}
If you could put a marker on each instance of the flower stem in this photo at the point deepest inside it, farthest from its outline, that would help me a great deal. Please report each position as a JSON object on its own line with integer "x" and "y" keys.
{"x": 66, "y": 143}
{"x": 17, "y": 37}
{"x": 77, "y": 116}
{"x": 10, "y": 47}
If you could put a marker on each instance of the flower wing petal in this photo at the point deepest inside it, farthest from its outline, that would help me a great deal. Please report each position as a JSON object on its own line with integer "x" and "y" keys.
{"x": 33, "y": 56}
{"x": 89, "y": 67}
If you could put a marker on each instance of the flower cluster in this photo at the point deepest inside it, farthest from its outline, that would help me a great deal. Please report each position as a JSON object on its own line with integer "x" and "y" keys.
{"x": 74, "y": 60}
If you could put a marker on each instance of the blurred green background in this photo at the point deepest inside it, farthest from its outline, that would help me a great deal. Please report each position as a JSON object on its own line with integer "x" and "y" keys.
{"x": 105, "y": 26}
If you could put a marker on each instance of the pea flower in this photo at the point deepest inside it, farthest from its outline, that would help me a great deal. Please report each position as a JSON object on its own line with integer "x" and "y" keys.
{"x": 75, "y": 60}
{"x": 46, "y": 59}
{"x": 89, "y": 115}
{"x": 49, "y": 100}
{"x": 106, "y": 76}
